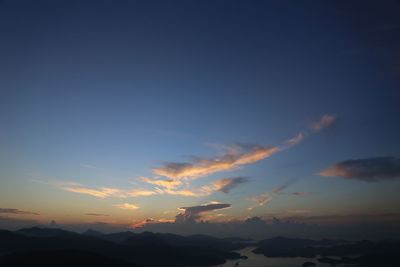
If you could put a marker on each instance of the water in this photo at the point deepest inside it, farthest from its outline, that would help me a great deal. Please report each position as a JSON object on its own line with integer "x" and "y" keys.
{"x": 259, "y": 260}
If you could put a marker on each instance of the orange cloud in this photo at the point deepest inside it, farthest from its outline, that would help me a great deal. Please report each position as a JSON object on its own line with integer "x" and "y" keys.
{"x": 151, "y": 221}
{"x": 170, "y": 184}
{"x": 104, "y": 192}
{"x": 236, "y": 157}
{"x": 101, "y": 192}
{"x": 183, "y": 192}
{"x": 127, "y": 206}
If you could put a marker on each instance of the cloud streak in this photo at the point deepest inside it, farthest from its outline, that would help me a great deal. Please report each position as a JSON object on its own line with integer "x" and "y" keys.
{"x": 127, "y": 206}
{"x": 295, "y": 140}
{"x": 105, "y": 192}
{"x": 260, "y": 200}
{"x": 17, "y": 211}
{"x": 97, "y": 214}
{"x": 237, "y": 156}
{"x": 324, "y": 122}
{"x": 266, "y": 198}
{"x": 224, "y": 185}
{"x": 367, "y": 169}
{"x": 227, "y": 184}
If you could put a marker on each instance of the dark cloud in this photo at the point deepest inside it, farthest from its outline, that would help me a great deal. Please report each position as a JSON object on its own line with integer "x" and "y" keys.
{"x": 369, "y": 169}
{"x": 192, "y": 214}
{"x": 227, "y": 184}
{"x": 360, "y": 226}
{"x": 298, "y": 193}
{"x": 17, "y": 211}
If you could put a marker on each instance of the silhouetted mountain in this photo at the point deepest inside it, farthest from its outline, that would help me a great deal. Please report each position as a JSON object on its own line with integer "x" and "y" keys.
{"x": 56, "y": 247}
{"x": 119, "y": 237}
{"x": 61, "y": 258}
{"x": 45, "y": 232}
{"x": 146, "y": 249}
{"x": 90, "y": 232}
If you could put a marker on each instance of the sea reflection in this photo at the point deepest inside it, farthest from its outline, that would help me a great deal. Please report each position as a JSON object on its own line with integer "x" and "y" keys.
{"x": 259, "y": 260}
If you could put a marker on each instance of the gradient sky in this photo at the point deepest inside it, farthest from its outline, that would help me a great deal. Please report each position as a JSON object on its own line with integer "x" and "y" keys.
{"x": 98, "y": 98}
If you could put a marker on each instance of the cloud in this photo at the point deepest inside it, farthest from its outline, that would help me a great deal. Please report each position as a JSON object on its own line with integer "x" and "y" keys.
{"x": 237, "y": 156}
{"x": 149, "y": 221}
{"x": 97, "y": 214}
{"x": 104, "y": 192}
{"x": 260, "y": 200}
{"x": 88, "y": 166}
{"x": 221, "y": 185}
{"x": 324, "y": 122}
{"x": 193, "y": 214}
{"x": 169, "y": 183}
{"x": 172, "y": 176}
{"x": 183, "y": 192}
{"x": 295, "y": 140}
{"x": 297, "y": 193}
{"x": 227, "y": 184}
{"x": 279, "y": 189}
{"x": 17, "y": 211}
{"x": 127, "y": 206}
{"x": 368, "y": 169}
{"x": 266, "y": 198}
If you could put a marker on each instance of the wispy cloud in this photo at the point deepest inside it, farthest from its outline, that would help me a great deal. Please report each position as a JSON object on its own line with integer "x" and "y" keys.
{"x": 238, "y": 156}
{"x": 193, "y": 214}
{"x": 88, "y": 166}
{"x": 266, "y": 198}
{"x": 97, "y": 214}
{"x": 182, "y": 192}
{"x": 172, "y": 177}
{"x": 324, "y": 122}
{"x": 295, "y": 140}
{"x": 148, "y": 221}
{"x": 168, "y": 183}
{"x": 298, "y": 193}
{"x": 104, "y": 192}
{"x": 260, "y": 200}
{"x": 227, "y": 184}
{"x": 17, "y": 211}
{"x": 127, "y": 206}
{"x": 224, "y": 185}
{"x": 367, "y": 169}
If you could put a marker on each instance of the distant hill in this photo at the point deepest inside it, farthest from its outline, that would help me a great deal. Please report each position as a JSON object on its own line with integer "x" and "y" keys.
{"x": 45, "y": 232}
{"x": 368, "y": 253}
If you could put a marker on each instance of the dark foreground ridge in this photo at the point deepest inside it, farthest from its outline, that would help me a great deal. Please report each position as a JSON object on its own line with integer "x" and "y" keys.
{"x": 55, "y": 247}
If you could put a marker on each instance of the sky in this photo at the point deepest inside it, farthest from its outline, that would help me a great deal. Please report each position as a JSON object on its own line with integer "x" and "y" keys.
{"x": 131, "y": 112}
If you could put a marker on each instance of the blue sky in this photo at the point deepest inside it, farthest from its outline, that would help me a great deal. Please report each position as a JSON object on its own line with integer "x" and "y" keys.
{"x": 102, "y": 93}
